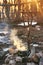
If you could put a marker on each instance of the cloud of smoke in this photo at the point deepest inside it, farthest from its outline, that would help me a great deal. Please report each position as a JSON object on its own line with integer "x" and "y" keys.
{"x": 16, "y": 41}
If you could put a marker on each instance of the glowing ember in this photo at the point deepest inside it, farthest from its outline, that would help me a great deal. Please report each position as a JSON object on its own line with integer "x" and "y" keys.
{"x": 17, "y": 42}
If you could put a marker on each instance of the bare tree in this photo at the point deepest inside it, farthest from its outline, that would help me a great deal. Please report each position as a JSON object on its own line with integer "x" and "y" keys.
{"x": 7, "y": 8}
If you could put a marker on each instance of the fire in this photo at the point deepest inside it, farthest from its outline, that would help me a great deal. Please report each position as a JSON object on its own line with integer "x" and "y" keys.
{"x": 29, "y": 0}
{"x": 37, "y": 4}
{"x": 17, "y": 42}
{"x": 30, "y": 7}
{"x": 1, "y": 1}
{"x": 12, "y": 2}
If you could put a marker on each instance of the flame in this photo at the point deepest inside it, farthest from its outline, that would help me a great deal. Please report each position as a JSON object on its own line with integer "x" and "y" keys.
{"x": 29, "y": 0}
{"x": 12, "y": 2}
{"x": 12, "y": 8}
{"x": 1, "y": 1}
{"x": 17, "y": 42}
{"x": 37, "y": 4}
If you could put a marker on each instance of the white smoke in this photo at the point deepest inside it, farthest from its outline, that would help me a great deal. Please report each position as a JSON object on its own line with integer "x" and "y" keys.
{"x": 17, "y": 42}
